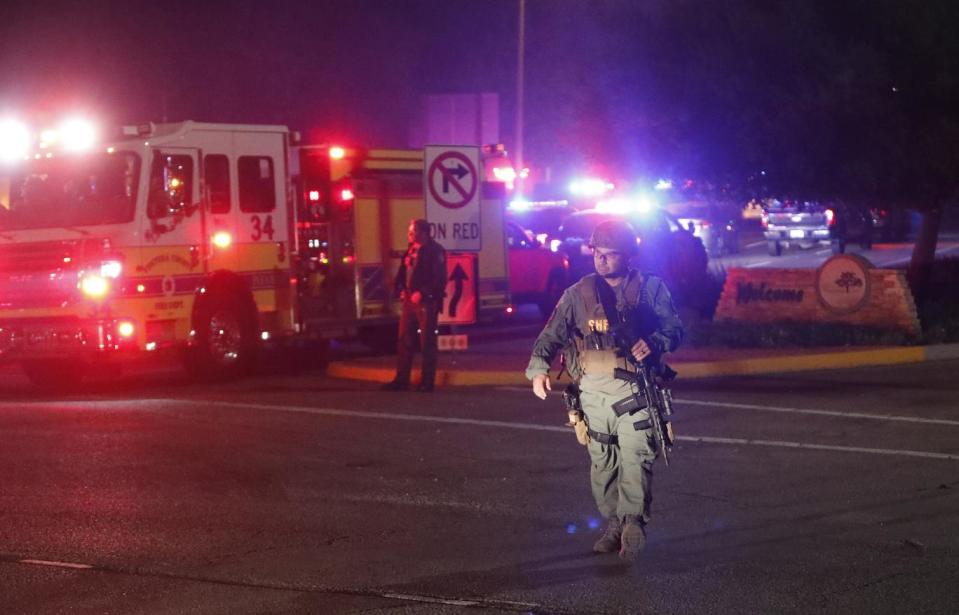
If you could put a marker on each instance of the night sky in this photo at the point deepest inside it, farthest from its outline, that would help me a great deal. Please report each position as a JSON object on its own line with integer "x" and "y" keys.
{"x": 618, "y": 86}
{"x": 338, "y": 70}
{"x": 342, "y": 69}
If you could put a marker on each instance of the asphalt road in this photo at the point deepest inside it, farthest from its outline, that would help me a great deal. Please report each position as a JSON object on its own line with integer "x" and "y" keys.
{"x": 816, "y": 492}
{"x": 753, "y": 253}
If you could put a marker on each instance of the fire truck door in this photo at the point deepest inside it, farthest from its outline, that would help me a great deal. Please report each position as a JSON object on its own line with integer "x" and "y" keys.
{"x": 262, "y": 193}
{"x": 174, "y": 233}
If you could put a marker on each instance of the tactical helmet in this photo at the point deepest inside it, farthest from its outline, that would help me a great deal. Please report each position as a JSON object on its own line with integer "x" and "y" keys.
{"x": 614, "y": 235}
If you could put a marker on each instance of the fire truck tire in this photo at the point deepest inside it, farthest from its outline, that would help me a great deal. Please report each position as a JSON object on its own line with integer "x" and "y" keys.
{"x": 55, "y": 374}
{"x": 225, "y": 343}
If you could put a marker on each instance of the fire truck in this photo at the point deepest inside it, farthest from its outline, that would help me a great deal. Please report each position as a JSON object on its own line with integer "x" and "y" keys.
{"x": 208, "y": 238}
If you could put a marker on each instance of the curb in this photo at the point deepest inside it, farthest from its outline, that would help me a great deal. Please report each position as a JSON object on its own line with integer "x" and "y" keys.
{"x": 688, "y": 370}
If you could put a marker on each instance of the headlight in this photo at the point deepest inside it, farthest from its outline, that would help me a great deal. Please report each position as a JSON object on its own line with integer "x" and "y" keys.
{"x": 77, "y": 135}
{"x": 125, "y": 328}
{"x": 111, "y": 269}
{"x": 94, "y": 286}
{"x": 14, "y": 140}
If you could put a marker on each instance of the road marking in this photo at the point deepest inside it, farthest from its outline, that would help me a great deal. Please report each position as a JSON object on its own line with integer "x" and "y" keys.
{"x": 509, "y": 605}
{"x": 845, "y": 415}
{"x": 562, "y": 429}
{"x": 786, "y": 410}
{"x": 82, "y": 403}
{"x": 427, "y": 599}
{"x": 556, "y": 428}
{"x": 822, "y": 447}
{"x": 41, "y": 562}
{"x": 378, "y": 415}
{"x": 759, "y": 264}
{"x": 754, "y": 244}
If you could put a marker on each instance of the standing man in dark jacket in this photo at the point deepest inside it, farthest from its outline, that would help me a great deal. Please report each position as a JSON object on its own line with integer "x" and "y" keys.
{"x": 620, "y": 442}
{"x": 420, "y": 284}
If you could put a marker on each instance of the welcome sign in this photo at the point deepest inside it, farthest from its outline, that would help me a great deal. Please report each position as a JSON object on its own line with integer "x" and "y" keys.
{"x": 846, "y": 288}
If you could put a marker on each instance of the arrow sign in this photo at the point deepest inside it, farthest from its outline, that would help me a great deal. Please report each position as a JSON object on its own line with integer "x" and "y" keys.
{"x": 460, "y": 306}
{"x": 459, "y": 172}
{"x": 457, "y": 278}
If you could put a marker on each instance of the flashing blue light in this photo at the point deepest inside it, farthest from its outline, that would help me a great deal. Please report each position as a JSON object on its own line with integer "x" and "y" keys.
{"x": 571, "y": 528}
{"x": 590, "y": 186}
{"x": 593, "y": 523}
{"x": 645, "y": 203}
{"x": 613, "y": 206}
{"x": 641, "y": 204}
{"x": 664, "y": 184}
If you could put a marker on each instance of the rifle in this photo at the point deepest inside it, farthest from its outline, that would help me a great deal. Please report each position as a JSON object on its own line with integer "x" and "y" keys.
{"x": 649, "y": 389}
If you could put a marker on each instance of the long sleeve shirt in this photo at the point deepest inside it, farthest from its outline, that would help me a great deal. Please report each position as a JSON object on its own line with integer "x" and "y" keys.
{"x": 423, "y": 270}
{"x": 571, "y": 318}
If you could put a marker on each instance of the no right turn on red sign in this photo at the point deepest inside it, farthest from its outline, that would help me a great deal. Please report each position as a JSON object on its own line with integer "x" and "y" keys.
{"x": 452, "y": 178}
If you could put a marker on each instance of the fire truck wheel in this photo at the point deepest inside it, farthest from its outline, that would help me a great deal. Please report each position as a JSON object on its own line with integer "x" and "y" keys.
{"x": 55, "y": 374}
{"x": 225, "y": 338}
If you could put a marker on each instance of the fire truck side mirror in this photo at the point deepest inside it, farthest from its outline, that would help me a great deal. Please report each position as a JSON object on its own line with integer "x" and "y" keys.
{"x": 157, "y": 228}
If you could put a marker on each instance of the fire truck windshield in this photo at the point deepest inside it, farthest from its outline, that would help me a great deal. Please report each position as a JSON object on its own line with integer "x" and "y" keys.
{"x": 69, "y": 191}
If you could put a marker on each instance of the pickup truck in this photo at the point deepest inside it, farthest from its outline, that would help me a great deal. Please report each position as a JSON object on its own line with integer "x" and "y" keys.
{"x": 789, "y": 223}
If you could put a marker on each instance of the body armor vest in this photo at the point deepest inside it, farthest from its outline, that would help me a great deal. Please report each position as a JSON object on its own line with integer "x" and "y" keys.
{"x": 596, "y": 349}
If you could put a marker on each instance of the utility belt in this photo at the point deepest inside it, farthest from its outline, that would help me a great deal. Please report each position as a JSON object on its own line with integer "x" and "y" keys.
{"x": 613, "y": 439}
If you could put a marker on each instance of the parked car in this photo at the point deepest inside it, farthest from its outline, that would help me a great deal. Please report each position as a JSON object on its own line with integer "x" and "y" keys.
{"x": 536, "y": 273}
{"x": 791, "y": 222}
{"x": 716, "y": 224}
{"x": 665, "y": 248}
{"x": 890, "y": 224}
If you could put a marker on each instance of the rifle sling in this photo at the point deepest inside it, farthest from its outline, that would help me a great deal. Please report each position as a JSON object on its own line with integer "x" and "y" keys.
{"x": 608, "y": 301}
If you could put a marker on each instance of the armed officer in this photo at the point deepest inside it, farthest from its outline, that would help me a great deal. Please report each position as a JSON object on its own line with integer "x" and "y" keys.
{"x": 420, "y": 283}
{"x": 620, "y": 441}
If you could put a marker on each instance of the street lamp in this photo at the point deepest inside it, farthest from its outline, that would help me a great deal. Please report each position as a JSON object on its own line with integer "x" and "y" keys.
{"x": 520, "y": 183}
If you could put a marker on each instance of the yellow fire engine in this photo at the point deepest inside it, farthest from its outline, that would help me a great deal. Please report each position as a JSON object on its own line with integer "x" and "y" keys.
{"x": 208, "y": 237}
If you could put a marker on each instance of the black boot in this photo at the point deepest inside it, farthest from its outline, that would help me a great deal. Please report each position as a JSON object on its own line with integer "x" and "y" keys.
{"x": 609, "y": 542}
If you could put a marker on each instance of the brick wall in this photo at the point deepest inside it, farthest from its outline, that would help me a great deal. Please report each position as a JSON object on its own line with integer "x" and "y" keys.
{"x": 777, "y": 295}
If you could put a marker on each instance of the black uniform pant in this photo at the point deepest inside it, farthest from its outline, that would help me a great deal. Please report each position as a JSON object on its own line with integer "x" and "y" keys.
{"x": 417, "y": 322}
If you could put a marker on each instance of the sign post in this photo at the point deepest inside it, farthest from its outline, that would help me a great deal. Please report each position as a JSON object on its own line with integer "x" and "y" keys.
{"x": 453, "y": 196}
